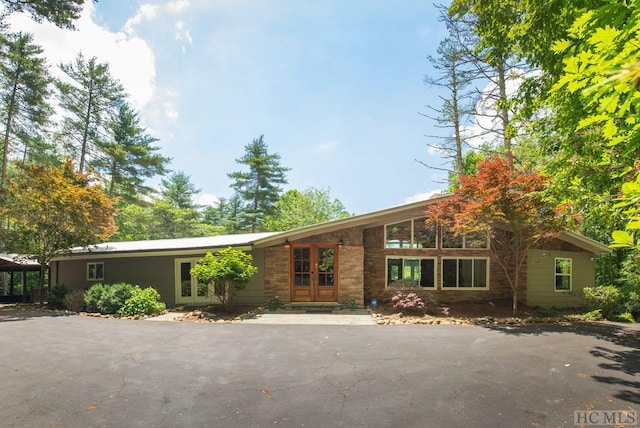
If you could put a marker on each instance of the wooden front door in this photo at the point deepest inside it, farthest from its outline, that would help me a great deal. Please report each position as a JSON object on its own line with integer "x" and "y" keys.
{"x": 313, "y": 275}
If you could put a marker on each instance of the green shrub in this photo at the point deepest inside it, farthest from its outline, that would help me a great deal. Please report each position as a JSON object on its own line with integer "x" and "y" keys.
{"x": 92, "y": 297}
{"x": 631, "y": 301}
{"x": 595, "y": 315}
{"x": 607, "y": 298}
{"x": 143, "y": 301}
{"x": 623, "y": 317}
{"x": 107, "y": 299}
{"x": 75, "y": 300}
{"x": 57, "y": 296}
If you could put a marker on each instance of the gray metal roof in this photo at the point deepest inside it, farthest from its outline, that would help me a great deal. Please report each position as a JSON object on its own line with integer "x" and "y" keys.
{"x": 173, "y": 244}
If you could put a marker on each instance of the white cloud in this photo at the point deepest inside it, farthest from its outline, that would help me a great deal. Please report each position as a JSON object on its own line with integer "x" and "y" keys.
{"x": 146, "y": 12}
{"x": 178, "y": 5}
{"x": 170, "y": 111}
{"x": 182, "y": 34}
{"x": 206, "y": 199}
{"x": 422, "y": 196}
{"x": 130, "y": 58}
{"x": 327, "y": 145}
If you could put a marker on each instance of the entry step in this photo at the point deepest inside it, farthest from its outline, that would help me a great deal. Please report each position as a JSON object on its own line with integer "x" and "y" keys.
{"x": 313, "y": 306}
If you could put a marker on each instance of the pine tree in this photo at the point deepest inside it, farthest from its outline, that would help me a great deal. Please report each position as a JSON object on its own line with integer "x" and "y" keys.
{"x": 60, "y": 12}
{"x": 24, "y": 89}
{"x": 260, "y": 186}
{"x": 129, "y": 157}
{"x": 89, "y": 98}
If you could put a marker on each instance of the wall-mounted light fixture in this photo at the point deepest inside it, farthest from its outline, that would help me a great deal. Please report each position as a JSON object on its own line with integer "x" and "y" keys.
{"x": 340, "y": 242}
{"x": 286, "y": 243}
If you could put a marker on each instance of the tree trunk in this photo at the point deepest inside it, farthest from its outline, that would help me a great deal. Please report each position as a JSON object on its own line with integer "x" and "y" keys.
{"x": 43, "y": 268}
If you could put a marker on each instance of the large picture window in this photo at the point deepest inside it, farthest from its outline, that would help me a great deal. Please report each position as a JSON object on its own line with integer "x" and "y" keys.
{"x": 411, "y": 272}
{"x": 465, "y": 272}
{"x": 95, "y": 271}
{"x": 475, "y": 240}
{"x": 410, "y": 234}
{"x": 563, "y": 274}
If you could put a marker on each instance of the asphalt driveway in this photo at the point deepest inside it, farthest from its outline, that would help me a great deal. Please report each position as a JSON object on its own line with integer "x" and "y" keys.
{"x": 74, "y": 371}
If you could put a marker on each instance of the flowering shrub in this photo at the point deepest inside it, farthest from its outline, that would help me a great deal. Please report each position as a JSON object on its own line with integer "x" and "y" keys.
{"x": 410, "y": 302}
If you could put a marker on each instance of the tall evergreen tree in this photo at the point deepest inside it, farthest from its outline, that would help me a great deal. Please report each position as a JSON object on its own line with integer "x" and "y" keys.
{"x": 259, "y": 187}
{"x": 89, "y": 98}
{"x": 129, "y": 157}
{"x": 60, "y": 12}
{"x": 24, "y": 89}
{"x": 179, "y": 191}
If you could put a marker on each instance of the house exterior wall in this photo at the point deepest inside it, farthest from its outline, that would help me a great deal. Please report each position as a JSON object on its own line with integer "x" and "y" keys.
{"x": 350, "y": 267}
{"x": 375, "y": 255}
{"x": 541, "y": 273}
{"x": 149, "y": 271}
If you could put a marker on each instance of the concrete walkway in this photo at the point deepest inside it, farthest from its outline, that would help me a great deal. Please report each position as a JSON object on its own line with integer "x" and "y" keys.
{"x": 343, "y": 317}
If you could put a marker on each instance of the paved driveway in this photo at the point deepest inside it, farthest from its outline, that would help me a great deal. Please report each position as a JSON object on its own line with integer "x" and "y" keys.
{"x": 73, "y": 371}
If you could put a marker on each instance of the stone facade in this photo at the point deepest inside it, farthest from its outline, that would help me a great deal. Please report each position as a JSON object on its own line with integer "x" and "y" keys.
{"x": 350, "y": 275}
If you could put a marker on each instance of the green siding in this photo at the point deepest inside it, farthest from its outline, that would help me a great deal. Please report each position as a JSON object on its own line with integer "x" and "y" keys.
{"x": 151, "y": 271}
{"x": 541, "y": 278}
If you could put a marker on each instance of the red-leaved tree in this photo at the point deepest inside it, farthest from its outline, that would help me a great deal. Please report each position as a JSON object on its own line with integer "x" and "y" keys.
{"x": 510, "y": 205}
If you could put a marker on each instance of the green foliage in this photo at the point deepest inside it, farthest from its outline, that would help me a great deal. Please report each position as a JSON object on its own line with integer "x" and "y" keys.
{"x": 594, "y": 315}
{"x": 259, "y": 187}
{"x": 57, "y": 296}
{"x": 143, "y": 301}
{"x": 107, "y": 299}
{"x": 74, "y": 300}
{"x": 229, "y": 270}
{"x": 623, "y": 317}
{"x": 605, "y": 298}
{"x": 59, "y": 12}
{"x": 296, "y": 209}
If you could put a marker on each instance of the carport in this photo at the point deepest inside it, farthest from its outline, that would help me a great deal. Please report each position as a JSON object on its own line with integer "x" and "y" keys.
{"x": 16, "y": 274}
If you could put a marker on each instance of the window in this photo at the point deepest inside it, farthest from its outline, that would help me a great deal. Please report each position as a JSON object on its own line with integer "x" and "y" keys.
{"x": 475, "y": 240}
{"x": 563, "y": 274}
{"x": 411, "y": 272}
{"x": 410, "y": 234}
{"x": 465, "y": 273}
{"x": 95, "y": 271}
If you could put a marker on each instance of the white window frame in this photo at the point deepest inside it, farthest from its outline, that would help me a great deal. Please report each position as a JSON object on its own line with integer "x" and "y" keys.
{"x": 464, "y": 242}
{"x": 94, "y": 277}
{"x": 556, "y": 274}
{"x": 457, "y": 287}
{"x": 412, "y": 234}
{"x": 403, "y": 258}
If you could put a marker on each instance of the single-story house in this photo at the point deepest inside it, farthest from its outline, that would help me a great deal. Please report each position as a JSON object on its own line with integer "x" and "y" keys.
{"x": 341, "y": 261}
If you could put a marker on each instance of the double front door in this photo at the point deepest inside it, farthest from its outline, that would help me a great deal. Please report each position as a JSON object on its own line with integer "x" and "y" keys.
{"x": 313, "y": 273}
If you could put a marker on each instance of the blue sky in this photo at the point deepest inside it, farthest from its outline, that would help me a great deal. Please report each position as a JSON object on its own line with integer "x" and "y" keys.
{"x": 335, "y": 87}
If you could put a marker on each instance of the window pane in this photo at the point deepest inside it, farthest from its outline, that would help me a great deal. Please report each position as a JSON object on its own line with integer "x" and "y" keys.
{"x": 394, "y": 270}
{"x": 449, "y": 240}
{"x": 449, "y": 273}
{"x": 563, "y": 266}
{"x": 185, "y": 279}
{"x": 424, "y": 236}
{"x": 99, "y": 271}
{"x": 91, "y": 271}
{"x": 480, "y": 273}
{"x": 411, "y": 272}
{"x": 399, "y": 235}
{"x": 427, "y": 277}
{"x": 476, "y": 240}
{"x": 465, "y": 273}
{"x": 563, "y": 283}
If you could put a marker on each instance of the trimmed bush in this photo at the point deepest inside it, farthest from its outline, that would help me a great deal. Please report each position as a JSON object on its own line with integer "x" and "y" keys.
{"x": 408, "y": 302}
{"x": 75, "y": 300}
{"x": 107, "y": 299}
{"x": 143, "y": 301}
{"x": 57, "y": 295}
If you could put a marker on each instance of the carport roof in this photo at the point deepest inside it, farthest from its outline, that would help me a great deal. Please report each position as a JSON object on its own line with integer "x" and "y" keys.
{"x": 10, "y": 262}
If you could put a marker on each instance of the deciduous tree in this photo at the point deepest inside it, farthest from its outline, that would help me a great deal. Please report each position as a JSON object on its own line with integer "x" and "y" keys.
{"x": 225, "y": 272}
{"x": 49, "y": 210}
{"x": 296, "y": 209}
{"x": 510, "y": 205}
